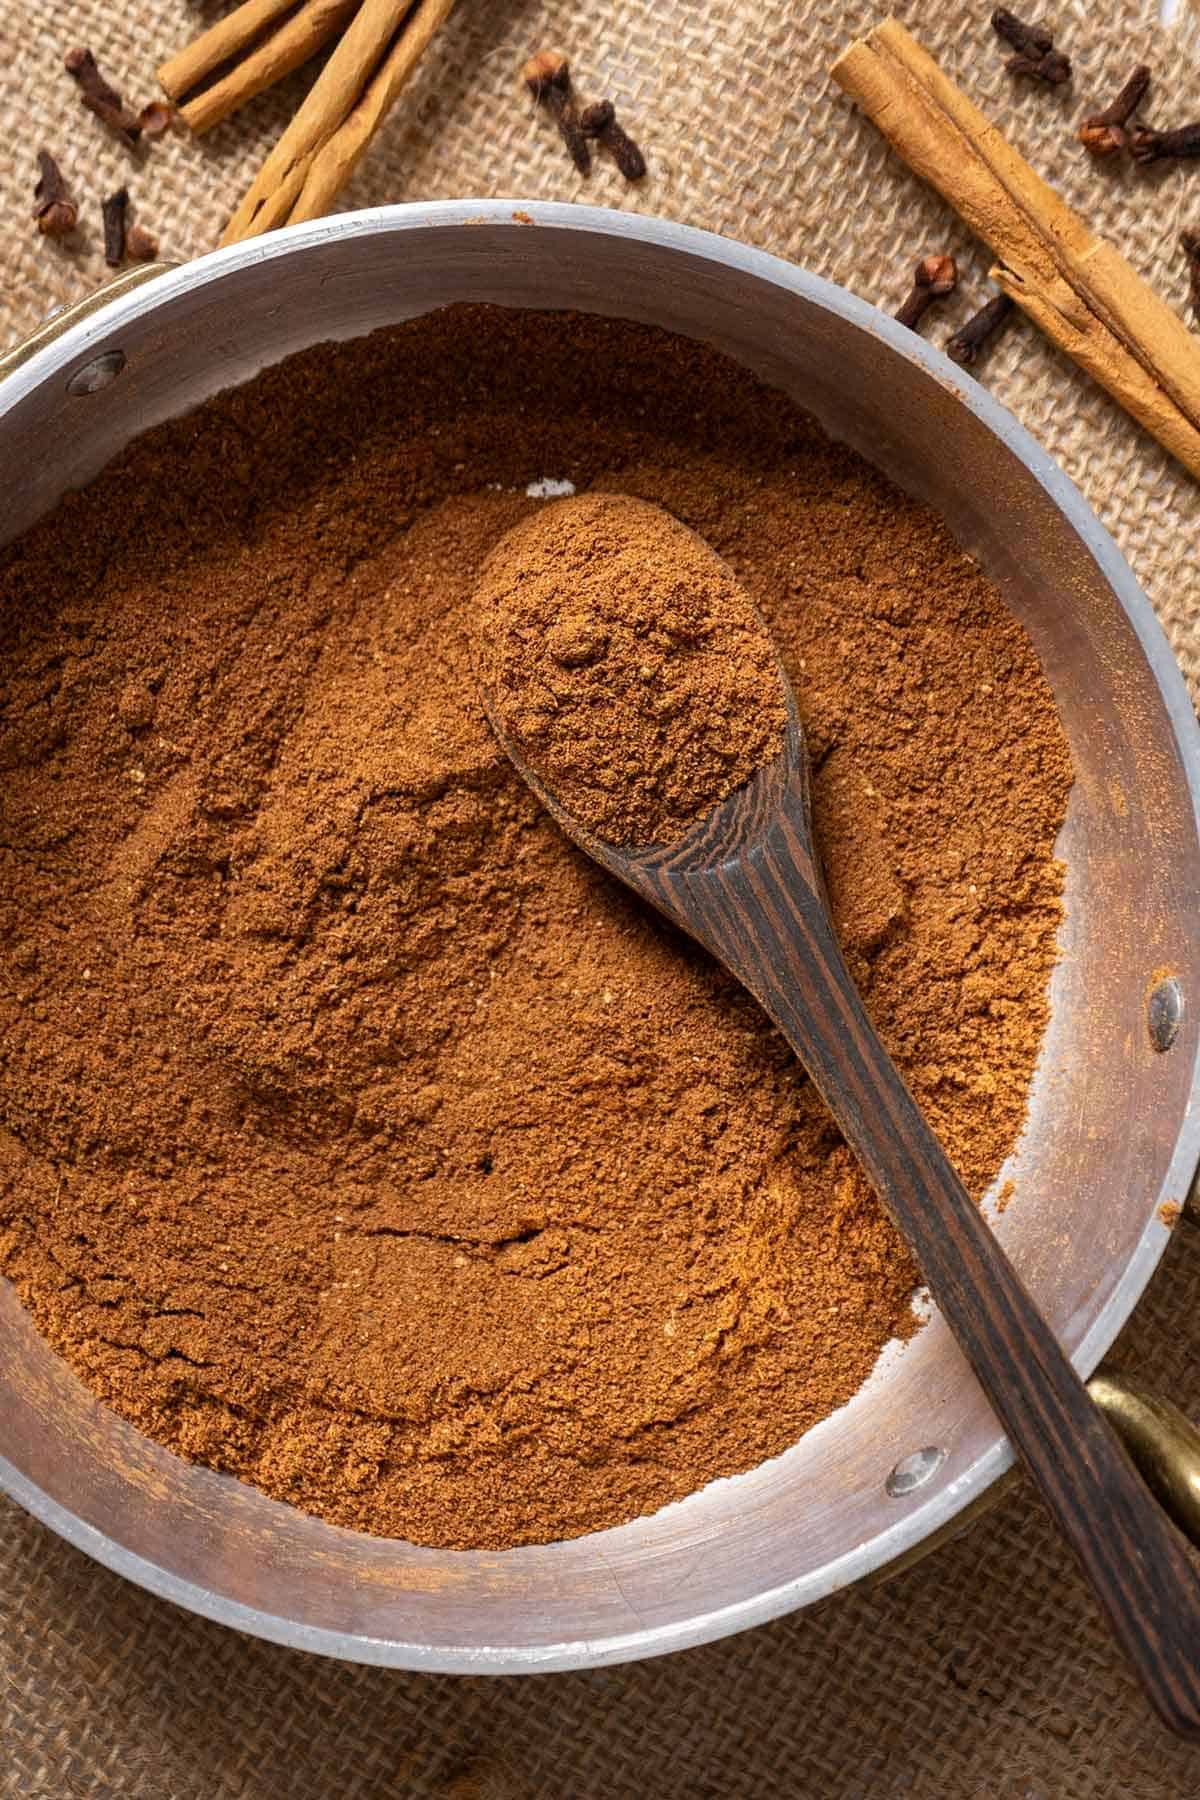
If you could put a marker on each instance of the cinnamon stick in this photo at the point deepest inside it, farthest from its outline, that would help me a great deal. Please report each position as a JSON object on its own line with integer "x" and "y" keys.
{"x": 334, "y": 164}
{"x": 1078, "y": 288}
{"x": 297, "y": 39}
{"x": 333, "y": 95}
{"x": 276, "y": 210}
{"x": 222, "y": 41}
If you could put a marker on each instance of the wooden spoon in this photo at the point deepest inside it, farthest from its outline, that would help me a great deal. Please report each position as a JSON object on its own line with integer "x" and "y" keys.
{"x": 746, "y": 883}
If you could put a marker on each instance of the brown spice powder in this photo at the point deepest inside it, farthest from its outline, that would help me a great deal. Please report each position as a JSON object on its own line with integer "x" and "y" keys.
{"x": 359, "y": 1136}
{"x": 627, "y": 664}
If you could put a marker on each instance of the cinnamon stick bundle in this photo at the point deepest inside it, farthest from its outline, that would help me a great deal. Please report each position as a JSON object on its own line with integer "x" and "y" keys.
{"x": 333, "y": 96}
{"x": 266, "y": 60}
{"x": 1077, "y": 287}
{"x": 379, "y": 44}
{"x": 333, "y": 165}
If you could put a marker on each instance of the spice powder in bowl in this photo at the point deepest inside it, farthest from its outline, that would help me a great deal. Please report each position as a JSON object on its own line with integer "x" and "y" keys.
{"x": 357, "y": 1135}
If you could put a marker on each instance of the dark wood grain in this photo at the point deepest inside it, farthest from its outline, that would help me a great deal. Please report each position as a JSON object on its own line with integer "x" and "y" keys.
{"x": 746, "y": 883}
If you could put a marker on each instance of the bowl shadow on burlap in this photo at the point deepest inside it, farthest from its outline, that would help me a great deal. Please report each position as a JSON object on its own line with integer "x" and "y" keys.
{"x": 973, "y": 1673}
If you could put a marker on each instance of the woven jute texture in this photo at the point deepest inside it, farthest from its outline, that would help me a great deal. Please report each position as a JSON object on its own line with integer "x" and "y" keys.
{"x": 984, "y": 1671}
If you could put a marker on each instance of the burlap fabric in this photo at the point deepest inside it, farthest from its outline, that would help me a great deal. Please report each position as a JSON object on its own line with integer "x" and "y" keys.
{"x": 983, "y": 1672}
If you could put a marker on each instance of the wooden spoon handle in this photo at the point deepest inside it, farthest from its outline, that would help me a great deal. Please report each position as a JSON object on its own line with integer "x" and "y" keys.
{"x": 765, "y": 916}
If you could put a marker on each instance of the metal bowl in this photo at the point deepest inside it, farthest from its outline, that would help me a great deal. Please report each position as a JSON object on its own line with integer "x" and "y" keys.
{"x": 1114, "y": 1129}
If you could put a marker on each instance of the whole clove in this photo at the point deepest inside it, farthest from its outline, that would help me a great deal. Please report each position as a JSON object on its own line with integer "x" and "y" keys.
{"x": 548, "y": 78}
{"x": 599, "y": 121}
{"x": 101, "y": 98}
{"x": 1149, "y": 146}
{"x": 964, "y": 347}
{"x": 156, "y": 118}
{"x": 140, "y": 244}
{"x": 113, "y": 211}
{"x": 1034, "y": 46}
{"x": 1105, "y": 132}
{"x": 1189, "y": 243}
{"x": 933, "y": 277}
{"x": 56, "y": 213}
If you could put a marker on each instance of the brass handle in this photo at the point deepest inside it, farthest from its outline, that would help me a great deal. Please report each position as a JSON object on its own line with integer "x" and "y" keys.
{"x": 1162, "y": 1441}
{"x": 53, "y": 328}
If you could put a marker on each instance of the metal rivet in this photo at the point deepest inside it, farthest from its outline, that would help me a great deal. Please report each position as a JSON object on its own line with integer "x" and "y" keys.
{"x": 98, "y": 373}
{"x": 912, "y": 1472}
{"x": 1164, "y": 1011}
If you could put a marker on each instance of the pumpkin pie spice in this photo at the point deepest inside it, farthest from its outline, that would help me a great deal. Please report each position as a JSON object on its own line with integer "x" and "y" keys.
{"x": 359, "y": 1137}
{"x": 628, "y": 666}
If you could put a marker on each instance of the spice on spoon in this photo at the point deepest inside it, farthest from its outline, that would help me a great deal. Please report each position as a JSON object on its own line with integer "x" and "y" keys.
{"x": 628, "y": 665}
{"x": 1104, "y": 133}
{"x": 1034, "y": 46}
{"x": 56, "y": 213}
{"x": 933, "y": 277}
{"x": 548, "y": 78}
